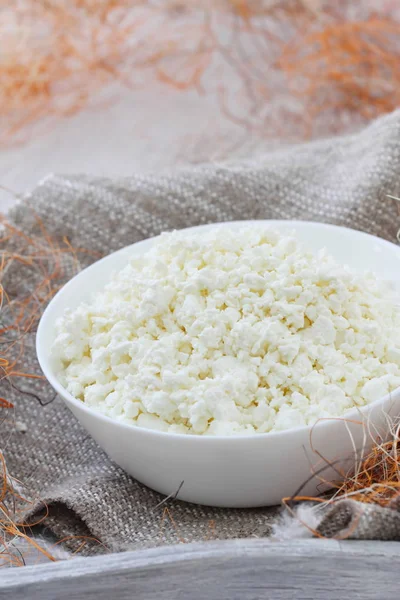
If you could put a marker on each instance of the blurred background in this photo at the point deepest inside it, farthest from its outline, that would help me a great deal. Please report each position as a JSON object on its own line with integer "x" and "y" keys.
{"x": 112, "y": 87}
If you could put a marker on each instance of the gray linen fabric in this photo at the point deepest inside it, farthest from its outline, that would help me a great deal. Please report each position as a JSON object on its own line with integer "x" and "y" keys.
{"x": 342, "y": 181}
{"x": 348, "y": 519}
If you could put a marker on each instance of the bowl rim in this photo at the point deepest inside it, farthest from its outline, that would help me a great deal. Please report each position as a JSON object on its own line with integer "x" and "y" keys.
{"x": 324, "y": 422}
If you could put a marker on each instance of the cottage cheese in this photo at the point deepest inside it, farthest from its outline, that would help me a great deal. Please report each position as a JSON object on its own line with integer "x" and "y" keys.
{"x": 231, "y": 332}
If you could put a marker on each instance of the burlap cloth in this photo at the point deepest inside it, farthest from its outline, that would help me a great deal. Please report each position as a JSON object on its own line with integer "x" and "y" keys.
{"x": 342, "y": 181}
{"x": 349, "y": 519}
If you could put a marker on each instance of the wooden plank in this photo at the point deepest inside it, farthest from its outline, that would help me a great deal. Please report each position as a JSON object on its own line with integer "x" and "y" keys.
{"x": 231, "y": 570}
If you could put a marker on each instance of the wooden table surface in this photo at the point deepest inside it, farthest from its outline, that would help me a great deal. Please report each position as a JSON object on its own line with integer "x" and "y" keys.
{"x": 251, "y": 569}
{"x": 141, "y": 130}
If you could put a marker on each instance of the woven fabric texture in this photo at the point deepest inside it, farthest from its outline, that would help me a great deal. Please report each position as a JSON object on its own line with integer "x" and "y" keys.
{"x": 343, "y": 181}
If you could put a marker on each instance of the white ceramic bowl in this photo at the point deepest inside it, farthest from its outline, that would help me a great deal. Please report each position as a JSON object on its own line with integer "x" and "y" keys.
{"x": 252, "y": 470}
